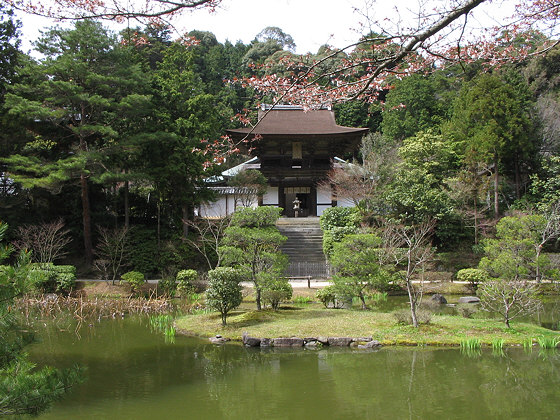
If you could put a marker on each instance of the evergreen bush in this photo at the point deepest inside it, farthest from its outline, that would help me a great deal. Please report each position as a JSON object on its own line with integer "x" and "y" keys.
{"x": 50, "y": 278}
{"x": 275, "y": 290}
{"x": 336, "y": 223}
{"x": 135, "y": 280}
{"x": 327, "y": 295}
{"x": 186, "y": 281}
{"x": 224, "y": 291}
{"x": 473, "y": 276}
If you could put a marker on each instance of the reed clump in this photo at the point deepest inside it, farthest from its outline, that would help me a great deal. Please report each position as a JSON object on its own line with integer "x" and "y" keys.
{"x": 85, "y": 309}
{"x": 548, "y": 342}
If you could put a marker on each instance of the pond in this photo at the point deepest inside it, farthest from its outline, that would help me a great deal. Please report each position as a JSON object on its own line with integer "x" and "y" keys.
{"x": 134, "y": 374}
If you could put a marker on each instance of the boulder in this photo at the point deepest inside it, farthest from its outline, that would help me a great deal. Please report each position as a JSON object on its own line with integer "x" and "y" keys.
{"x": 469, "y": 299}
{"x": 370, "y": 345}
{"x": 343, "y": 303}
{"x": 218, "y": 339}
{"x": 363, "y": 339}
{"x": 251, "y": 341}
{"x": 340, "y": 341}
{"x": 323, "y": 340}
{"x": 287, "y": 342}
{"x": 266, "y": 342}
{"x": 437, "y": 298}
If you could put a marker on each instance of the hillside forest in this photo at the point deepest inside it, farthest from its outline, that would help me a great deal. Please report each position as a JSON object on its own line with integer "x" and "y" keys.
{"x": 104, "y": 132}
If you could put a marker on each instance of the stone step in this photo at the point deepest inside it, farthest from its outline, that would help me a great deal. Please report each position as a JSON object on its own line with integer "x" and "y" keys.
{"x": 305, "y": 241}
{"x": 301, "y": 232}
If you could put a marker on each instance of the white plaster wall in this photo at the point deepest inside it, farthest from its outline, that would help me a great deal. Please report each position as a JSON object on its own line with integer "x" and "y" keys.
{"x": 323, "y": 195}
{"x": 271, "y": 196}
{"x": 216, "y": 209}
{"x": 345, "y": 202}
{"x": 321, "y": 208}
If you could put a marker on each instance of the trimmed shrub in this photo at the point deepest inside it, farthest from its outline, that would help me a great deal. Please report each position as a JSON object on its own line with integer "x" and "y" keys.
{"x": 224, "y": 291}
{"x": 50, "y": 278}
{"x": 473, "y": 276}
{"x": 65, "y": 278}
{"x": 275, "y": 290}
{"x": 256, "y": 217}
{"x": 327, "y": 296}
{"x": 135, "y": 280}
{"x": 167, "y": 285}
{"x": 403, "y": 316}
{"x": 186, "y": 281}
{"x": 339, "y": 217}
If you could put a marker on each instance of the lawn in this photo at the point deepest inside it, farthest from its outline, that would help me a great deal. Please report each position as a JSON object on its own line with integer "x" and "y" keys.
{"x": 313, "y": 320}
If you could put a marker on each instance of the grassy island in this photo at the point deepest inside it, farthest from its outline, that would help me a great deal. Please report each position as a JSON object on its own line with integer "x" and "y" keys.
{"x": 313, "y": 320}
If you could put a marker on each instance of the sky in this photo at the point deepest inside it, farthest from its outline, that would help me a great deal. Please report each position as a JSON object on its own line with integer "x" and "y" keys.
{"x": 311, "y": 23}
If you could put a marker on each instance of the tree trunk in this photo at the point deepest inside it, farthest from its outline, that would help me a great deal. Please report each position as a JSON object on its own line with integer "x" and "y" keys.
{"x": 537, "y": 264}
{"x": 158, "y": 224}
{"x": 86, "y": 219}
{"x": 185, "y": 220}
{"x": 475, "y": 218}
{"x": 363, "y": 299}
{"x": 517, "y": 178}
{"x": 412, "y": 303}
{"x": 126, "y": 206}
{"x": 496, "y": 186}
{"x": 258, "y": 297}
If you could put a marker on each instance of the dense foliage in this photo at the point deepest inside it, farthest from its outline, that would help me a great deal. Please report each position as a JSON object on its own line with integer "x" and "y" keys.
{"x": 252, "y": 244}
{"x": 121, "y": 131}
{"x": 24, "y": 389}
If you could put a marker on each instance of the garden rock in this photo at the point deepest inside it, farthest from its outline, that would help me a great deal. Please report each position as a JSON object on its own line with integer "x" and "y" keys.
{"x": 469, "y": 299}
{"x": 339, "y": 341}
{"x": 218, "y": 339}
{"x": 251, "y": 341}
{"x": 343, "y": 303}
{"x": 288, "y": 342}
{"x": 266, "y": 342}
{"x": 370, "y": 345}
{"x": 439, "y": 299}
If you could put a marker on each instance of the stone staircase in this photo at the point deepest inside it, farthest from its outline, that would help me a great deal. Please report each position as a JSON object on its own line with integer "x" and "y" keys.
{"x": 304, "y": 247}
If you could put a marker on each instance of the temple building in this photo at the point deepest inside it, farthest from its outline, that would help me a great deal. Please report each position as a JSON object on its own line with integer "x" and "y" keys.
{"x": 295, "y": 152}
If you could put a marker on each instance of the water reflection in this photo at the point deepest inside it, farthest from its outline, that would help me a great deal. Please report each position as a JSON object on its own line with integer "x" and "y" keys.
{"x": 134, "y": 374}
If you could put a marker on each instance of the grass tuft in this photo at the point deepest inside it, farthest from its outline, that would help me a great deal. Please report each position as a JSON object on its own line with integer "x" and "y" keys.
{"x": 548, "y": 342}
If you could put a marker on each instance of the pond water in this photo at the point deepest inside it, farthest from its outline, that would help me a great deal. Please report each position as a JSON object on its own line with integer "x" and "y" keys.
{"x": 132, "y": 373}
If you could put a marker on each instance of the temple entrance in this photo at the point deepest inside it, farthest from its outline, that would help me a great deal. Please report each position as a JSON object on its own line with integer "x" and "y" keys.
{"x": 298, "y": 201}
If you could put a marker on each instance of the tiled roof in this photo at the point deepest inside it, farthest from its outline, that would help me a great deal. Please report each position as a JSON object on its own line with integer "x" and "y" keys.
{"x": 292, "y": 121}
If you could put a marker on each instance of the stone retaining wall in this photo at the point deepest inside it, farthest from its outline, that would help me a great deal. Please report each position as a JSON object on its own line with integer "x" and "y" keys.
{"x": 311, "y": 342}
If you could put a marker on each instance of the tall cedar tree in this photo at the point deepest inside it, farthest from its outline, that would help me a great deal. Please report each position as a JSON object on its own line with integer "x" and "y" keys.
{"x": 70, "y": 107}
